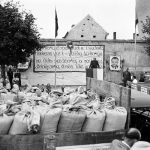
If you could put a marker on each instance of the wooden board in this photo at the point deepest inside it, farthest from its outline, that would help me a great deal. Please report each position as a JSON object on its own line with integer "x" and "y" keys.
{"x": 120, "y": 93}
{"x": 49, "y": 142}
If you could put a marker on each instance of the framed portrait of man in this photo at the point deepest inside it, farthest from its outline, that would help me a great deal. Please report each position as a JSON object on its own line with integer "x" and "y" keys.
{"x": 115, "y": 63}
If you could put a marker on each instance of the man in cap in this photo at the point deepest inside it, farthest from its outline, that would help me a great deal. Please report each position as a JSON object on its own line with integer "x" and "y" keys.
{"x": 131, "y": 136}
{"x": 126, "y": 77}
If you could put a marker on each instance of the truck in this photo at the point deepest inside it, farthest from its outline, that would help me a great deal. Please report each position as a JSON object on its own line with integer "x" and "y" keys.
{"x": 79, "y": 140}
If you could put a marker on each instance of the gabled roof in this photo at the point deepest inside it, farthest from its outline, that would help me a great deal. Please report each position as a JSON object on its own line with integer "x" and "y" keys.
{"x": 87, "y": 29}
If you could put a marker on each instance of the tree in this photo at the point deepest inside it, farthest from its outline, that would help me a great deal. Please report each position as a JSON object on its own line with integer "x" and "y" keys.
{"x": 146, "y": 31}
{"x": 19, "y": 37}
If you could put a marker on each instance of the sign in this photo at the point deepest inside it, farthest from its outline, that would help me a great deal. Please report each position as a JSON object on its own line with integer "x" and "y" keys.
{"x": 104, "y": 146}
{"x": 23, "y": 65}
{"x": 134, "y": 86}
{"x": 140, "y": 88}
{"x": 76, "y": 61}
{"x": 114, "y": 63}
{"x": 144, "y": 90}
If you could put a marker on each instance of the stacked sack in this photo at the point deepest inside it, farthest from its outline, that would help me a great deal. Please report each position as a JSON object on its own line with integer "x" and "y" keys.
{"x": 115, "y": 116}
{"x": 32, "y": 111}
{"x": 71, "y": 120}
{"x": 25, "y": 122}
{"x": 5, "y": 120}
{"x": 94, "y": 121}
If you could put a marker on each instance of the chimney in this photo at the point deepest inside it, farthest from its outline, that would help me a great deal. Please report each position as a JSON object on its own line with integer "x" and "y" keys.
{"x": 134, "y": 36}
{"x": 114, "y": 35}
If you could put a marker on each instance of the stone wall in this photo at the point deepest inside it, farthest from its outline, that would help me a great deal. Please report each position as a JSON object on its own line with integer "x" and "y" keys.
{"x": 124, "y": 48}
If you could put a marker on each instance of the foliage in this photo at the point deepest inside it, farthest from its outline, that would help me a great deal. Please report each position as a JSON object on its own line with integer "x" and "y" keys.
{"x": 19, "y": 37}
{"x": 146, "y": 31}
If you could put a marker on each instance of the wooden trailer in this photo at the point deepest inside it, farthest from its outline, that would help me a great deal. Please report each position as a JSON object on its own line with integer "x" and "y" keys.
{"x": 86, "y": 141}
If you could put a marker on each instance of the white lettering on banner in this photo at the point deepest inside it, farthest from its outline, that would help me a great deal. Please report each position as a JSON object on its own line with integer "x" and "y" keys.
{"x": 144, "y": 90}
{"x": 134, "y": 86}
{"x": 78, "y": 60}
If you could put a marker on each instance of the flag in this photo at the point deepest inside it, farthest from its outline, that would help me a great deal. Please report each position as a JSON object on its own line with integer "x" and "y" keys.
{"x": 136, "y": 19}
{"x": 56, "y": 23}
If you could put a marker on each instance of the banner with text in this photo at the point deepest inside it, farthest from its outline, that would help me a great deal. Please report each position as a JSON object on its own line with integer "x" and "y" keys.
{"x": 76, "y": 61}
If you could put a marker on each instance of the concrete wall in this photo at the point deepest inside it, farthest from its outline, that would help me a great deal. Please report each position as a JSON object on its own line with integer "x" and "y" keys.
{"x": 123, "y": 48}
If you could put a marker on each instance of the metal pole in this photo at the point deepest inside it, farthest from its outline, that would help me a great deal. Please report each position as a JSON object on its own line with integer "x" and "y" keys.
{"x": 55, "y": 62}
{"x": 135, "y": 35}
{"x": 135, "y": 47}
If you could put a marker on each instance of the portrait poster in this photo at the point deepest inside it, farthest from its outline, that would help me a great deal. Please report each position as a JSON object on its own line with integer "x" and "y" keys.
{"x": 115, "y": 63}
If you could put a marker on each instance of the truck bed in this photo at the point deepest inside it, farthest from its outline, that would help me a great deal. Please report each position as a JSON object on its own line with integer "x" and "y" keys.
{"x": 53, "y": 141}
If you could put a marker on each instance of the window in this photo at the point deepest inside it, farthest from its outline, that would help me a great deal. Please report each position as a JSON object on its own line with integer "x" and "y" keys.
{"x": 94, "y": 36}
{"x": 82, "y": 35}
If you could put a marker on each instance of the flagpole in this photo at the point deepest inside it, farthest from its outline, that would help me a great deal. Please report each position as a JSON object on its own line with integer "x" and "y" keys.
{"x": 135, "y": 38}
{"x": 55, "y": 62}
{"x": 56, "y": 29}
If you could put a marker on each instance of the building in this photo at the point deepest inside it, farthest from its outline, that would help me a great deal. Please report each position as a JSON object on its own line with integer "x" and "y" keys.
{"x": 124, "y": 49}
{"x": 86, "y": 29}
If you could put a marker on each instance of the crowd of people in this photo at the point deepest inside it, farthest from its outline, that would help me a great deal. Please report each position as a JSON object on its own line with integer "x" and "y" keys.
{"x": 129, "y": 77}
{"x": 132, "y": 136}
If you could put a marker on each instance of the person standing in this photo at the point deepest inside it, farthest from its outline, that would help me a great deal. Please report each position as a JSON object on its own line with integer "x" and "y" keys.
{"x": 17, "y": 78}
{"x": 126, "y": 77}
{"x": 142, "y": 77}
{"x": 134, "y": 80}
{"x": 48, "y": 88}
{"x": 94, "y": 63}
{"x": 10, "y": 76}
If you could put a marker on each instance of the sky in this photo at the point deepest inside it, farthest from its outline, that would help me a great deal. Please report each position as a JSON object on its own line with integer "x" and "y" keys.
{"x": 113, "y": 15}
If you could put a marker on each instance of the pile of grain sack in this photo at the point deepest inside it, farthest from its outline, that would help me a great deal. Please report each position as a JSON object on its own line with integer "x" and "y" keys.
{"x": 74, "y": 110}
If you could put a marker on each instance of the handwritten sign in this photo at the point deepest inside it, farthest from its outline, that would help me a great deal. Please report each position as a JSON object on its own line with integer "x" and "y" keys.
{"x": 134, "y": 86}
{"x": 144, "y": 90}
{"x": 77, "y": 60}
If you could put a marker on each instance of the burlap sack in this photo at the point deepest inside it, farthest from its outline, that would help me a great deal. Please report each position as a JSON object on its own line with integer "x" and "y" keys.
{"x": 50, "y": 121}
{"x": 5, "y": 123}
{"x": 71, "y": 120}
{"x": 94, "y": 121}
